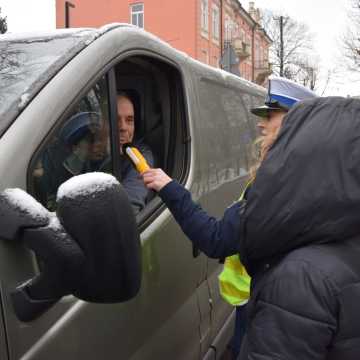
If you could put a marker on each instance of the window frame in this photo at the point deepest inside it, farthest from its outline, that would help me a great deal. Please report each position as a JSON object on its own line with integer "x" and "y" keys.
{"x": 215, "y": 21}
{"x": 62, "y": 120}
{"x": 137, "y": 13}
{"x": 205, "y": 54}
{"x": 204, "y": 16}
{"x": 152, "y": 210}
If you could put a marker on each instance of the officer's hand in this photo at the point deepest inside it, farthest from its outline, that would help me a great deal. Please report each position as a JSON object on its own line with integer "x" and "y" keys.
{"x": 155, "y": 179}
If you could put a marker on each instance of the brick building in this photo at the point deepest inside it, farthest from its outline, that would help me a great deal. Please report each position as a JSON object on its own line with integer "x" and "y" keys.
{"x": 216, "y": 32}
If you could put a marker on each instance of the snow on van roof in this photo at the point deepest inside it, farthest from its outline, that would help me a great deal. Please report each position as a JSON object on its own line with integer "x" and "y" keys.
{"x": 37, "y": 35}
{"x": 73, "y": 32}
{"x": 26, "y": 204}
{"x": 86, "y": 184}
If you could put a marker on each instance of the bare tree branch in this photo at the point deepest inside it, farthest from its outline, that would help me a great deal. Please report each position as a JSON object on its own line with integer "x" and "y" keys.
{"x": 3, "y": 24}
{"x": 297, "y": 44}
{"x": 351, "y": 38}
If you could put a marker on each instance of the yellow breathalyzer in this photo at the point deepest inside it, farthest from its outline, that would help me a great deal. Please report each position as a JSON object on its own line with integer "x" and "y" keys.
{"x": 137, "y": 159}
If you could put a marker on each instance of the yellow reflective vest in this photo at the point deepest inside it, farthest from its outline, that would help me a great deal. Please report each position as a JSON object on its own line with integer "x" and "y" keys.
{"x": 234, "y": 281}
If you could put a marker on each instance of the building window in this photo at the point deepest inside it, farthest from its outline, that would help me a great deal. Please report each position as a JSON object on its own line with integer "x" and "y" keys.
{"x": 137, "y": 15}
{"x": 242, "y": 35}
{"x": 205, "y": 57}
{"x": 215, "y": 22}
{"x": 249, "y": 45}
{"x": 216, "y": 62}
{"x": 257, "y": 52}
{"x": 205, "y": 15}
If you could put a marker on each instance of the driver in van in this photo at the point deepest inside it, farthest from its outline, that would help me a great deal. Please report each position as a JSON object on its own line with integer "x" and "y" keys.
{"x": 127, "y": 112}
{"x": 87, "y": 143}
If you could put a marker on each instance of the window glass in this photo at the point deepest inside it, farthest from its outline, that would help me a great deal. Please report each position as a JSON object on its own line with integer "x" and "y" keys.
{"x": 27, "y": 64}
{"x": 137, "y": 15}
{"x": 137, "y": 7}
{"x": 225, "y": 105}
{"x": 215, "y": 22}
{"x": 204, "y": 15}
{"x": 134, "y": 19}
{"x": 141, "y": 21}
{"x": 79, "y": 145}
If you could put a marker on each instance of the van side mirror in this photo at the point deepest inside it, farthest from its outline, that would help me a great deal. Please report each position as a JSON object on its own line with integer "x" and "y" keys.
{"x": 89, "y": 248}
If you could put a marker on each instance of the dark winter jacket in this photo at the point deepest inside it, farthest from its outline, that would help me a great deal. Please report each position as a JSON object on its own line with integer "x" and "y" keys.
{"x": 300, "y": 238}
{"x": 298, "y": 233}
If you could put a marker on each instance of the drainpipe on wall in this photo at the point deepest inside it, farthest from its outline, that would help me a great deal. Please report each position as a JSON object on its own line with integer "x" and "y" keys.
{"x": 197, "y": 27}
{"x": 253, "y": 53}
{"x": 68, "y": 5}
{"x": 221, "y": 28}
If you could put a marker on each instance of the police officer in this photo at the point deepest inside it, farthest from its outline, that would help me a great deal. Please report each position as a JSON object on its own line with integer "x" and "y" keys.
{"x": 220, "y": 238}
{"x": 234, "y": 281}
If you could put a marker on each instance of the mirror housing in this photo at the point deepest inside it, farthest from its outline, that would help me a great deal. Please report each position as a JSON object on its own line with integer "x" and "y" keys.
{"x": 90, "y": 248}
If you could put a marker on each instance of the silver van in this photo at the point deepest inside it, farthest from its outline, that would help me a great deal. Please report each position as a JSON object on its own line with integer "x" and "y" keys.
{"x": 195, "y": 119}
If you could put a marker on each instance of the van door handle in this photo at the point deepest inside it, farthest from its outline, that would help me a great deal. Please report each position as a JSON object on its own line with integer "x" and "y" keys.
{"x": 195, "y": 251}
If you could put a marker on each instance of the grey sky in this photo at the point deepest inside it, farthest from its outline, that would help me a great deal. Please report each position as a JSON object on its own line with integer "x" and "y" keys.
{"x": 29, "y": 15}
{"x": 325, "y": 18}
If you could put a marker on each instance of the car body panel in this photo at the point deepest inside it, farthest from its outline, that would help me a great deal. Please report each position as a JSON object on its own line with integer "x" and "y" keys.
{"x": 178, "y": 312}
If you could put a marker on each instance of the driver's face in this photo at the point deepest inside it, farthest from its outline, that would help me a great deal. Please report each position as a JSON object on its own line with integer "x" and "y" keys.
{"x": 126, "y": 120}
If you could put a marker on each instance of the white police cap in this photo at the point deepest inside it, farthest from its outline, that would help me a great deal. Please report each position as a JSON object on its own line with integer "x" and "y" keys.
{"x": 282, "y": 95}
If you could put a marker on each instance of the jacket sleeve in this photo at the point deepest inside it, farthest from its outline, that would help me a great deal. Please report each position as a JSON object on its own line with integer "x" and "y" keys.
{"x": 292, "y": 317}
{"x": 216, "y": 238}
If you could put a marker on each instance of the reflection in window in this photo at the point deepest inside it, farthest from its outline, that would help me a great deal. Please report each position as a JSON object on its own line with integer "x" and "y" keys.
{"x": 80, "y": 145}
{"x": 27, "y": 64}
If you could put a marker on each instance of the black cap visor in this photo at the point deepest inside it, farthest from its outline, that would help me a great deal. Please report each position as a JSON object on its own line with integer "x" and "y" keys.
{"x": 263, "y": 111}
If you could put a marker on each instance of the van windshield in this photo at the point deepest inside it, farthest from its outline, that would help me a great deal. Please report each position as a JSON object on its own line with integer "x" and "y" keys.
{"x": 29, "y": 61}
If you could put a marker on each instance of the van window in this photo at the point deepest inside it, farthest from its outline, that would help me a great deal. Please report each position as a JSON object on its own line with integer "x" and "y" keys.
{"x": 156, "y": 91}
{"x": 80, "y": 144}
{"x": 228, "y": 107}
{"x": 146, "y": 91}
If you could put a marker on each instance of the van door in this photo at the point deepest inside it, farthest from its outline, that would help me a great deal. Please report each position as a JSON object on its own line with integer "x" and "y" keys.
{"x": 163, "y": 320}
{"x": 226, "y": 142}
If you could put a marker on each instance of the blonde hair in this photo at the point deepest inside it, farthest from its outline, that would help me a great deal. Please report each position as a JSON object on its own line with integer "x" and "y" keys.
{"x": 261, "y": 147}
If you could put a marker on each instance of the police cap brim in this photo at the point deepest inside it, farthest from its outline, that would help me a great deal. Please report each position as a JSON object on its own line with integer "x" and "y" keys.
{"x": 263, "y": 111}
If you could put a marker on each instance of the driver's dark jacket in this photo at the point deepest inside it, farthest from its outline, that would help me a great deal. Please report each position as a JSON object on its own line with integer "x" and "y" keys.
{"x": 298, "y": 234}
{"x": 56, "y": 171}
